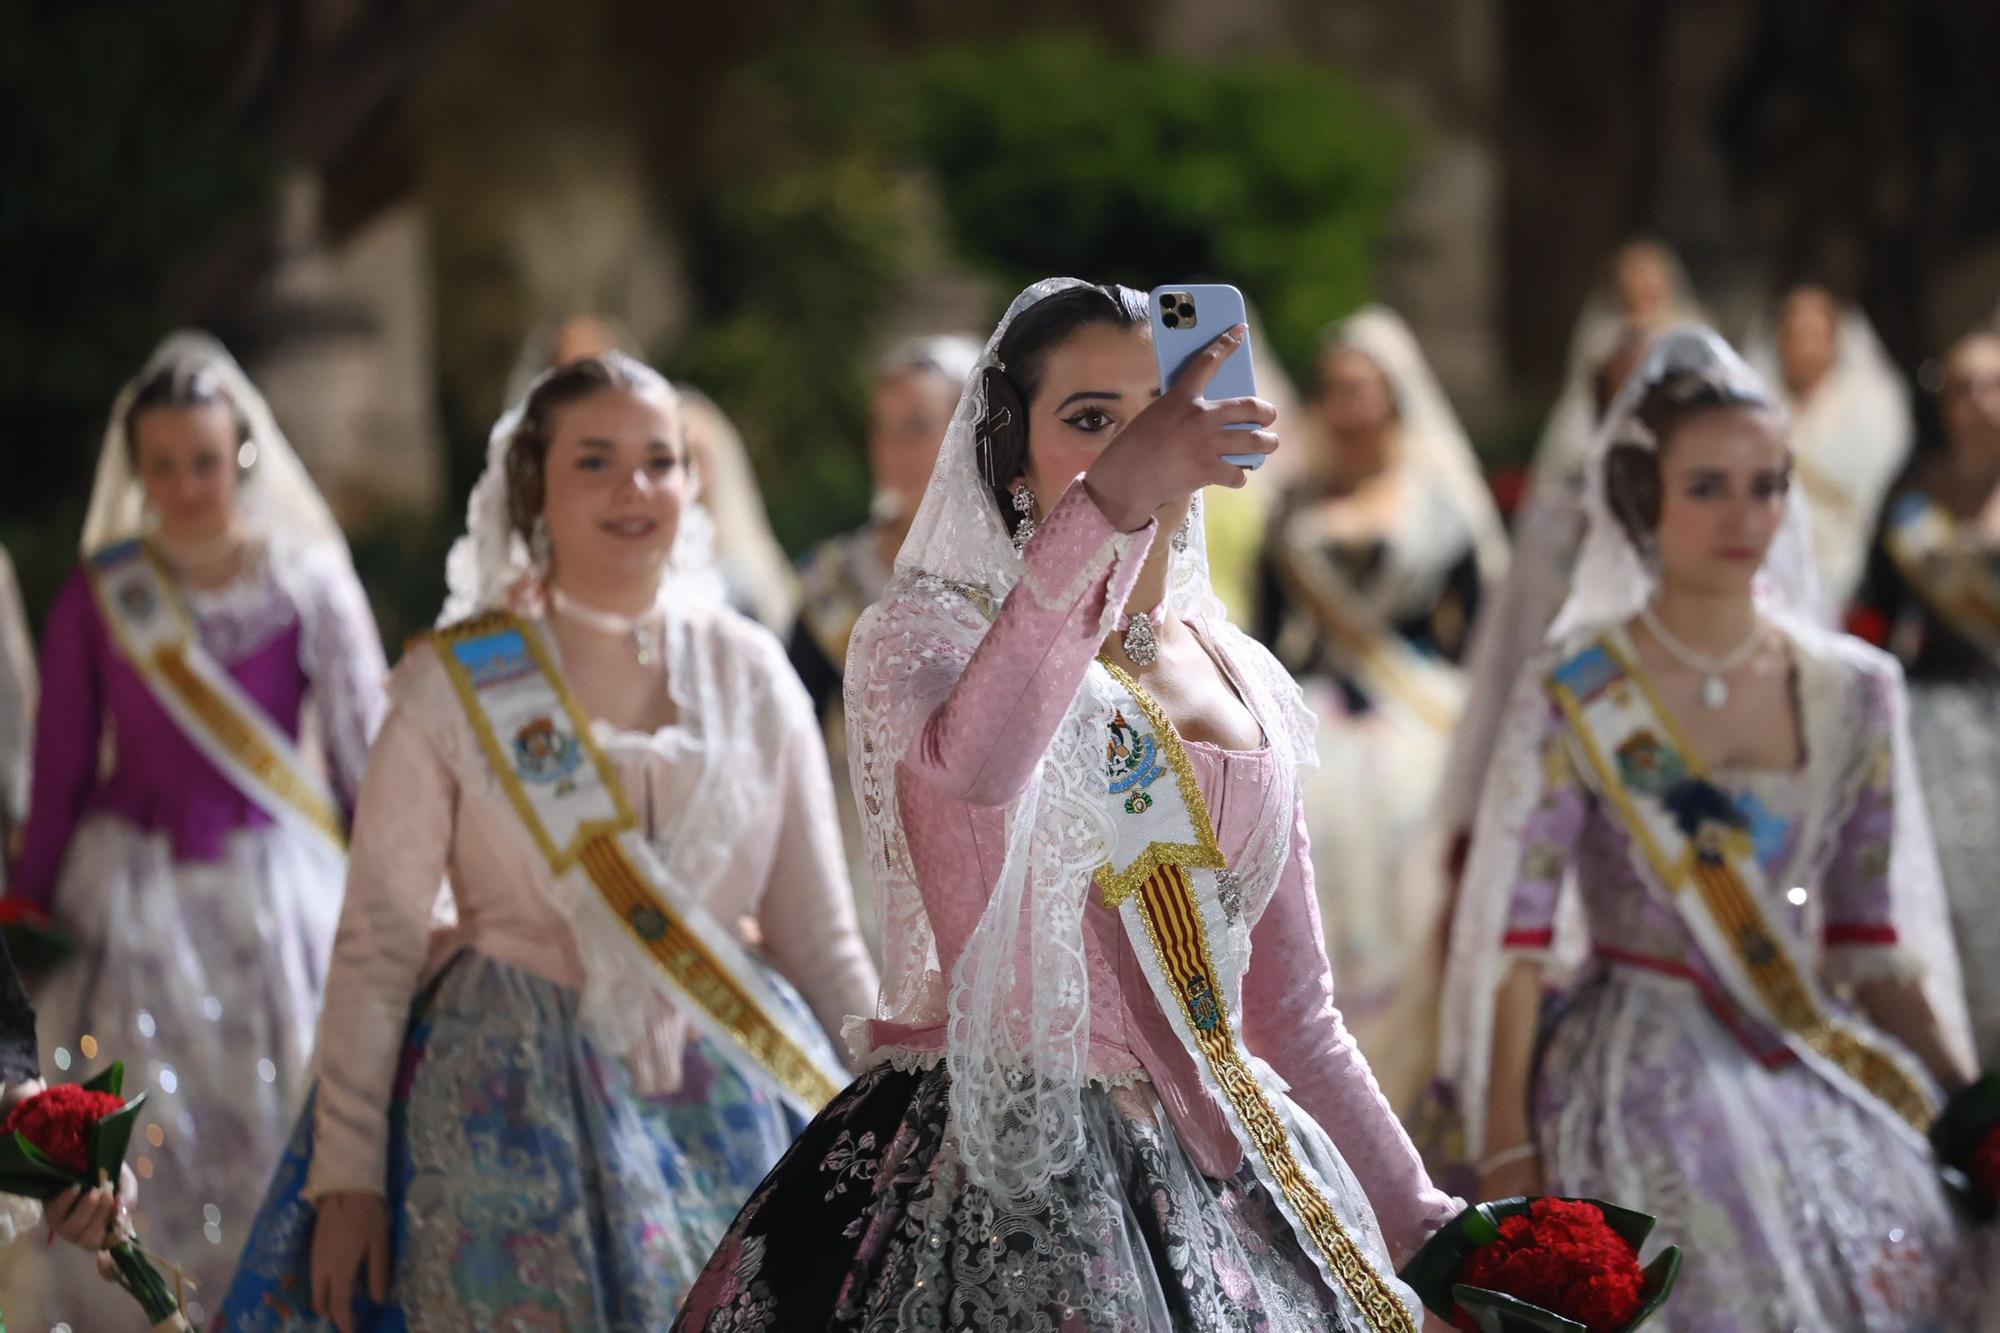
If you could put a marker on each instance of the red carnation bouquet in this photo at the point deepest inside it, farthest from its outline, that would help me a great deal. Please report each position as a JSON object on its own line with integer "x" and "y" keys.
{"x": 1543, "y": 1266}
{"x": 75, "y": 1135}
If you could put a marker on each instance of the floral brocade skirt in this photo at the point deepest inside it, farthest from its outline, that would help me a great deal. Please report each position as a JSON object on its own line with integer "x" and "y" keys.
{"x": 530, "y": 1186}
{"x": 204, "y": 978}
{"x": 1796, "y": 1206}
{"x": 870, "y": 1224}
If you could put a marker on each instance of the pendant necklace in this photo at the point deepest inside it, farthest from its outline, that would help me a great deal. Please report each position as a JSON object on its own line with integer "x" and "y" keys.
{"x": 1142, "y": 643}
{"x": 641, "y": 628}
{"x": 1714, "y": 688}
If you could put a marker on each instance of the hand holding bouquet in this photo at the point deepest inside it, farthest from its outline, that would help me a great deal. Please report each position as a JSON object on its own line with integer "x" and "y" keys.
{"x": 1542, "y": 1266}
{"x": 73, "y": 1137}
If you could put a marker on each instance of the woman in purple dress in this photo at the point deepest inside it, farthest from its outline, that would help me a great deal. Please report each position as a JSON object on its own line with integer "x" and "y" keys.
{"x": 1767, "y": 1010}
{"x": 176, "y": 828}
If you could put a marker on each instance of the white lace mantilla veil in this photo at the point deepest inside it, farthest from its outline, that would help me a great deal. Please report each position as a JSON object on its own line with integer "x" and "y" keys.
{"x": 1612, "y": 582}
{"x": 1434, "y": 440}
{"x": 1017, "y": 1003}
{"x": 490, "y": 565}
{"x": 277, "y": 502}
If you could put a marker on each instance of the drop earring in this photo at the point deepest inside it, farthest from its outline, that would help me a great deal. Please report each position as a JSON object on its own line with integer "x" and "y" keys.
{"x": 1024, "y": 505}
{"x": 541, "y": 551}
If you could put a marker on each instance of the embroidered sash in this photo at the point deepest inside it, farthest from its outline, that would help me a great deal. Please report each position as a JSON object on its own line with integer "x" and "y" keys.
{"x": 538, "y": 741}
{"x": 1693, "y": 840}
{"x": 1172, "y": 886}
{"x": 1368, "y": 648}
{"x": 1961, "y": 587}
{"x": 151, "y": 630}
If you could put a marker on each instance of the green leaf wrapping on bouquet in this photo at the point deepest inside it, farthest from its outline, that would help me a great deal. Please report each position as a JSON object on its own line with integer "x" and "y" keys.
{"x": 109, "y": 1079}
{"x": 36, "y": 943}
{"x": 1955, "y": 1138}
{"x": 112, "y": 1137}
{"x": 1433, "y": 1272}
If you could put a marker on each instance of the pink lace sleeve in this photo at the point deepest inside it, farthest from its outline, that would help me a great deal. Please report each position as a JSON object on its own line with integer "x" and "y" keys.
{"x": 982, "y": 744}
{"x": 1290, "y": 1020}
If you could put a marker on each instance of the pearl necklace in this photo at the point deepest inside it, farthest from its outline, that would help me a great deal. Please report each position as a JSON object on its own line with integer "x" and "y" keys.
{"x": 1142, "y": 640}
{"x": 1714, "y": 689}
{"x": 641, "y": 628}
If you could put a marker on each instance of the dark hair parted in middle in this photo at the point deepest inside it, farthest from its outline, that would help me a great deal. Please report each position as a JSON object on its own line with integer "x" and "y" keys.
{"x": 1632, "y": 486}
{"x": 180, "y": 387}
{"x": 1024, "y": 351}
{"x": 528, "y": 446}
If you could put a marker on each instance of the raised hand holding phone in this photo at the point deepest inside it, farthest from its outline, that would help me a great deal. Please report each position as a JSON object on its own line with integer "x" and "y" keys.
{"x": 1187, "y": 319}
{"x": 1182, "y": 441}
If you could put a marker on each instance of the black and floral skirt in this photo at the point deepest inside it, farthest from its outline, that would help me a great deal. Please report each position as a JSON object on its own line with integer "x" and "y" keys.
{"x": 869, "y": 1222}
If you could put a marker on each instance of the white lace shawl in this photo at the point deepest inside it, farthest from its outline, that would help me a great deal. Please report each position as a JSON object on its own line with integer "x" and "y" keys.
{"x": 1017, "y": 1003}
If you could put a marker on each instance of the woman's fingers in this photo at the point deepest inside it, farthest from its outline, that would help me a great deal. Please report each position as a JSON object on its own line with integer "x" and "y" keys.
{"x": 1243, "y": 412}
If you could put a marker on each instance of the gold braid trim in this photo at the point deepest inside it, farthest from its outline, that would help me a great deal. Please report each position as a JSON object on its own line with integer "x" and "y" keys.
{"x": 243, "y": 741}
{"x": 1174, "y": 923}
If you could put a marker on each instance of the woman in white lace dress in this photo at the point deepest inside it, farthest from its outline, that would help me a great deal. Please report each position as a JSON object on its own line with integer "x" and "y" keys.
{"x": 543, "y": 1115}
{"x": 214, "y": 617}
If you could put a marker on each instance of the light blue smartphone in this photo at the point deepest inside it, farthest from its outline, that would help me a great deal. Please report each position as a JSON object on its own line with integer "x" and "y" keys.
{"x": 1186, "y": 319}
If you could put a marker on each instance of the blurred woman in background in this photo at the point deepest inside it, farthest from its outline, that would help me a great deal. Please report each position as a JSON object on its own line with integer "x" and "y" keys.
{"x": 1372, "y": 572}
{"x": 214, "y": 615}
{"x": 1932, "y": 596}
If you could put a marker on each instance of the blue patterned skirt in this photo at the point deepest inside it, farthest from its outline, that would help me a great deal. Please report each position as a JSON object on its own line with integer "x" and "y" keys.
{"x": 530, "y": 1187}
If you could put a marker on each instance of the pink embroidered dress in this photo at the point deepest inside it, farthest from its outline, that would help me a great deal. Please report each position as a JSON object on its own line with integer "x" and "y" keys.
{"x": 1035, "y": 1145}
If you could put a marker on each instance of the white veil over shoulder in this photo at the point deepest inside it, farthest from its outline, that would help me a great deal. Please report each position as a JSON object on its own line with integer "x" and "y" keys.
{"x": 277, "y": 502}
{"x": 1435, "y": 441}
{"x": 1851, "y": 436}
{"x": 1017, "y": 1002}
{"x": 1612, "y": 582}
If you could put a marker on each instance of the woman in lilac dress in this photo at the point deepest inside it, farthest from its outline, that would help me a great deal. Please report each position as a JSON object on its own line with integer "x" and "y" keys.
{"x": 215, "y": 615}
{"x": 1103, "y": 952}
{"x": 1767, "y": 1011}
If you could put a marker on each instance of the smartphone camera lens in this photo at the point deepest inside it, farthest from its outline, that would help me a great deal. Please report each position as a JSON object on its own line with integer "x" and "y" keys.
{"x": 1186, "y": 311}
{"x": 1171, "y": 320}
{"x": 1167, "y": 302}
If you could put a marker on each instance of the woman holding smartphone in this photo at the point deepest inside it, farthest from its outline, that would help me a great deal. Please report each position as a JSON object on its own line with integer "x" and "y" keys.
{"x": 1103, "y": 953}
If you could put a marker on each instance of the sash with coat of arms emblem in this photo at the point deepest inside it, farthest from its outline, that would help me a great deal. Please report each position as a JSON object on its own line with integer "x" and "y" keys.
{"x": 151, "y": 630}
{"x": 572, "y": 804}
{"x": 1182, "y": 907}
{"x": 1699, "y": 848}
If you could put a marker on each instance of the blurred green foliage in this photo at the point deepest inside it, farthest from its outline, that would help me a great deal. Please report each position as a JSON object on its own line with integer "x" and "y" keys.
{"x": 1044, "y": 155}
{"x": 1060, "y": 157}
{"x": 117, "y": 170}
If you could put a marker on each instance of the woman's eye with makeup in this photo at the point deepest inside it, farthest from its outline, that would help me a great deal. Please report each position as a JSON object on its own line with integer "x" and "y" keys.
{"x": 661, "y": 464}
{"x": 1771, "y": 486}
{"x": 1090, "y": 420}
{"x": 1706, "y": 488}
{"x": 591, "y": 463}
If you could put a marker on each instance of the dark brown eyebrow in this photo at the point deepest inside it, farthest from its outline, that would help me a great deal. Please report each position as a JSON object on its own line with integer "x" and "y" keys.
{"x": 1090, "y": 395}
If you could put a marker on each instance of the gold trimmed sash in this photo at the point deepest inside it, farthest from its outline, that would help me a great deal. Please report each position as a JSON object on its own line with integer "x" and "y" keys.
{"x": 1960, "y": 586}
{"x": 1693, "y": 841}
{"x": 152, "y": 631}
{"x": 1367, "y": 646}
{"x": 1170, "y": 882}
{"x": 573, "y": 805}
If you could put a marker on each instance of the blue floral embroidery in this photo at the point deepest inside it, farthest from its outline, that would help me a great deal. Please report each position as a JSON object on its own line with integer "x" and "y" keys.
{"x": 1132, "y": 763}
